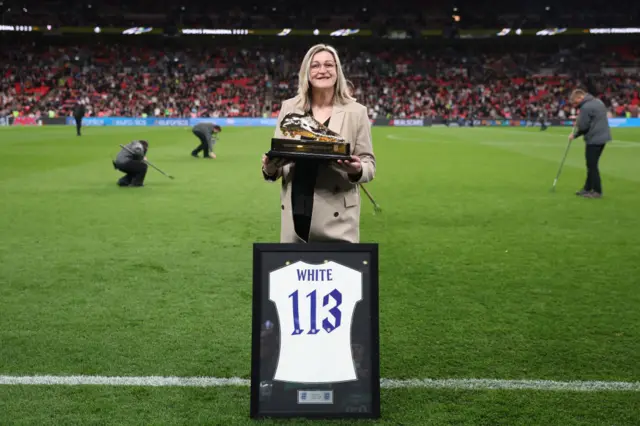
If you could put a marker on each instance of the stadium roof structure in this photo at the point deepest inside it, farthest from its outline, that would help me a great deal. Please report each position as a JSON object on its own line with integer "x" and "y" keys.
{"x": 377, "y": 16}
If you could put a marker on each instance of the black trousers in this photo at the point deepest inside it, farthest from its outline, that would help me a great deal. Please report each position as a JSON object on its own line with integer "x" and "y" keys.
{"x": 78, "y": 124}
{"x": 204, "y": 145}
{"x": 592, "y": 156}
{"x": 135, "y": 173}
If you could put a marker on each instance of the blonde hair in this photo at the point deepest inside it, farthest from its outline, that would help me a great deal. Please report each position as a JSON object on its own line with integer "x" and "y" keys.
{"x": 341, "y": 93}
{"x": 351, "y": 87}
{"x": 578, "y": 93}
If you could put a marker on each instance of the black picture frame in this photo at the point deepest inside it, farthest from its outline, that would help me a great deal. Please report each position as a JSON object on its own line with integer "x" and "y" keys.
{"x": 336, "y": 252}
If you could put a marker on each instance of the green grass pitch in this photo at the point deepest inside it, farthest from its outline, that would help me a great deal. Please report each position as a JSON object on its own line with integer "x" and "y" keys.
{"x": 484, "y": 273}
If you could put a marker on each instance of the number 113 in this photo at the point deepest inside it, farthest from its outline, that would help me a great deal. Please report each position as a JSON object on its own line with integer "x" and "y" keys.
{"x": 313, "y": 314}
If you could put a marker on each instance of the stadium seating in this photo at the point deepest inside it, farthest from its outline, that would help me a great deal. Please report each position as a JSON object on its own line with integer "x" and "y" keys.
{"x": 135, "y": 81}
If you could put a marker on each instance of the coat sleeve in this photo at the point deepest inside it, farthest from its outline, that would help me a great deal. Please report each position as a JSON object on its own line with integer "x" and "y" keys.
{"x": 363, "y": 148}
{"x": 583, "y": 123}
{"x": 277, "y": 134}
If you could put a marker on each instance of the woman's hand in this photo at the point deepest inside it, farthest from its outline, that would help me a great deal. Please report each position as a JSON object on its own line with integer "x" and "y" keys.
{"x": 353, "y": 166}
{"x": 271, "y": 167}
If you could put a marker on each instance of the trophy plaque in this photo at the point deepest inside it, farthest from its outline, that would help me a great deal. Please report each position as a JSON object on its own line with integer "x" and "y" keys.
{"x": 316, "y": 141}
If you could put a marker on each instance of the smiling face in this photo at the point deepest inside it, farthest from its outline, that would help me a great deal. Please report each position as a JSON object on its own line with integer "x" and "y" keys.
{"x": 322, "y": 70}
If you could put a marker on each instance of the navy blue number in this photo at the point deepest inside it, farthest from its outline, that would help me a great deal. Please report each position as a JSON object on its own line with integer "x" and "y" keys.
{"x": 296, "y": 314}
{"x": 312, "y": 317}
{"x": 326, "y": 324}
{"x": 335, "y": 312}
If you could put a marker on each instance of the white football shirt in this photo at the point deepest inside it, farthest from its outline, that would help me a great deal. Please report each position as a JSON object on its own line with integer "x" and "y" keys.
{"x": 315, "y": 305}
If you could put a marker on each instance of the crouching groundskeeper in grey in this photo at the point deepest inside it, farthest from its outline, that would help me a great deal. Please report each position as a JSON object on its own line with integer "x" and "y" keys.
{"x": 131, "y": 161}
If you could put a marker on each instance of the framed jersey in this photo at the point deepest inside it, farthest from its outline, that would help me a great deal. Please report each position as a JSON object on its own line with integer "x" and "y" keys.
{"x": 315, "y": 336}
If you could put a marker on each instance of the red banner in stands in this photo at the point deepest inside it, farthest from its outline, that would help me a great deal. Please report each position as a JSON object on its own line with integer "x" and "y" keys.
{"x": 25, "y": 121}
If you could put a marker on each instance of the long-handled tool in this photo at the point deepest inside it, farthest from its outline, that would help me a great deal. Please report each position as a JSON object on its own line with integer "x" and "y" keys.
{"x": 555, "y": 181}
{"x": 376, "y": 207}
{"x": 566, "y": 151}
{"x": 149, "y": 163}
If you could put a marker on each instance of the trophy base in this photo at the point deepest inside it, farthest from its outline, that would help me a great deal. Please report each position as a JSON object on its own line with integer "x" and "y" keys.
{"x": 304, "y": 149}
{"x": 306, "y": 156}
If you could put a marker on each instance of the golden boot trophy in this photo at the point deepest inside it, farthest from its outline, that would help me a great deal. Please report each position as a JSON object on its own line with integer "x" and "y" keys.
{"x": 316, "y": 141}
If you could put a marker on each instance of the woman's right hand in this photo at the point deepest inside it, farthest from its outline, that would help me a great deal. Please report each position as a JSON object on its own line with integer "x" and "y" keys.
{"x": 270, "y": 167}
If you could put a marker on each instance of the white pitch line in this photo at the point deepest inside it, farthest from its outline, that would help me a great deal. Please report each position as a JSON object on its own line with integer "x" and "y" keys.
{"x": 492, "y": 384}
{"x": 161, "y": 381}
{"x": 472, "y": 384}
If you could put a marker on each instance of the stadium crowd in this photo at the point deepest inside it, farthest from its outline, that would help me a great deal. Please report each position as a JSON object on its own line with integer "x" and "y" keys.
{"x": 125, "y": 80}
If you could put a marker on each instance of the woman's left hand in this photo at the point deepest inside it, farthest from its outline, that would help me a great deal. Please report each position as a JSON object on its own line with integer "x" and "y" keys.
{"x": 352, "y": 166}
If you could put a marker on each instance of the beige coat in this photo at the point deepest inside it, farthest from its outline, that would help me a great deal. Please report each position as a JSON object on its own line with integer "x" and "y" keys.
{"x": 336, "y": 200}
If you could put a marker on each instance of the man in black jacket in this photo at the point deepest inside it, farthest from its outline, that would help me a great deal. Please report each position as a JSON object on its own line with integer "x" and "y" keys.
{"x": 131, "y": 160}
{"x": 542, "y": 116}
{"x": 593, "y": 124}
{"x": 78, "y": 112}
{"x": 207, "y": 133}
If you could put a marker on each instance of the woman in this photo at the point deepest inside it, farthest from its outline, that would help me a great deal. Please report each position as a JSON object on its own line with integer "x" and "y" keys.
{"x": 320, "y": 200}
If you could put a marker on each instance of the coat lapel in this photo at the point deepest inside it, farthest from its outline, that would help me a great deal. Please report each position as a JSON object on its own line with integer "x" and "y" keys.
{"x": 337, "y": 117}
{"x": 296, "y": 108}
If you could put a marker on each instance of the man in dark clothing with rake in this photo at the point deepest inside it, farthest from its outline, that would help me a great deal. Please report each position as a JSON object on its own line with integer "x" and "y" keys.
{"x": 593, "y": 124}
